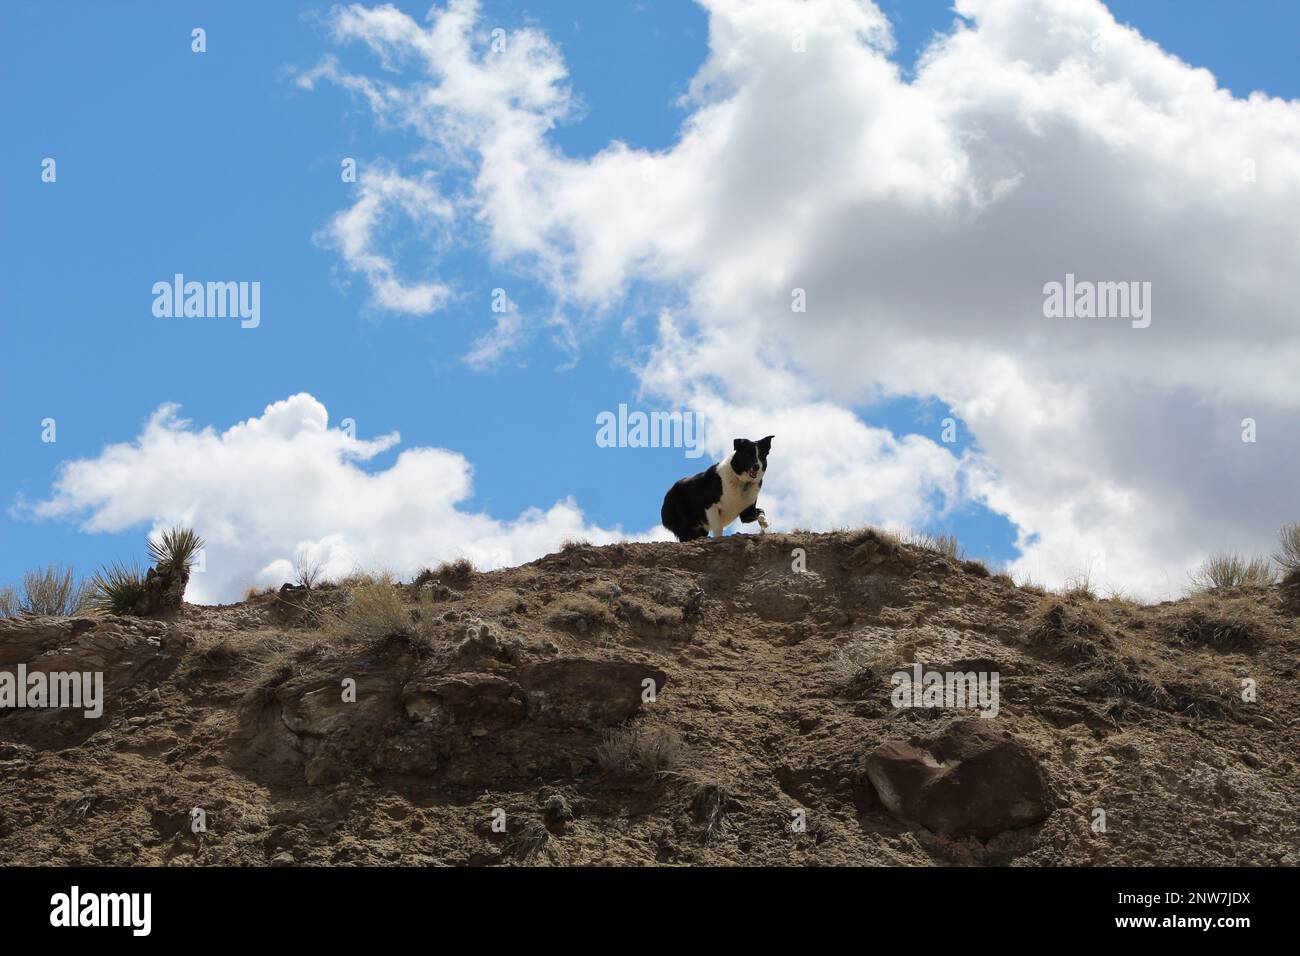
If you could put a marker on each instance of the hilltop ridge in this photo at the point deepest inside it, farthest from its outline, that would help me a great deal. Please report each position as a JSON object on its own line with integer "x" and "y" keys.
{"x": 725, "y": 701}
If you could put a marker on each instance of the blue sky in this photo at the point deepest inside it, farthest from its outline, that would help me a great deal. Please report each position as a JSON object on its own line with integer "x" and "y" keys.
{"x": 216, "y": 165}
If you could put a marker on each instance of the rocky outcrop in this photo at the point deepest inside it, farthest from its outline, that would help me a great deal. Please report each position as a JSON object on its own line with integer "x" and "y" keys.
{"x": 130, "y": 655}
{"x": 588, "y": 694}
{"x": 163, "y": 594}
{"x": 434, "y": 721}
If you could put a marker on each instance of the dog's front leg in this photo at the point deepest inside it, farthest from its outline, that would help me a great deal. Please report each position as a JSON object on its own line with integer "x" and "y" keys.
{"x": 755, "y": 513}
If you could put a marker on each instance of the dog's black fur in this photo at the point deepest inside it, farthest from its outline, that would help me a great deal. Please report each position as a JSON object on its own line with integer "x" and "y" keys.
{"x": 685, "y": 511}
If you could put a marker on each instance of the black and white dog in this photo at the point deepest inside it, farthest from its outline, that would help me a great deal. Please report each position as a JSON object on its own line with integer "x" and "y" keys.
{"x": 717, "y": 496}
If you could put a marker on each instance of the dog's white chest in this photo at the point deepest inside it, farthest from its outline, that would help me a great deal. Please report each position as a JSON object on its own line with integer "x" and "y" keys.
{"x": 736, "y": 497}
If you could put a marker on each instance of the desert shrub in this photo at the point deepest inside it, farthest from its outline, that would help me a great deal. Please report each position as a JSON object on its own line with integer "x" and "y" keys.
{"x": 456, "y": 573}
{"x": 1287, "y": 555}
{"x": 116, "y": 589}
{"x": 306, "y": 569}
{"x": 1230, "y": 570}
{"x": 175, "y": 549}
{"x": 581, "y": 612}
{"x": 639, "y": 750}
{"x": 51, "y": 591}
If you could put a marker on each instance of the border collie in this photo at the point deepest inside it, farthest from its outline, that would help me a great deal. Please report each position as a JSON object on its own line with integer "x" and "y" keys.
{"x": 717, "y": 496}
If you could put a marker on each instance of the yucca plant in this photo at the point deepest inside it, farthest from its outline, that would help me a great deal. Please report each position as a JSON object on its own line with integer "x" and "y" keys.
{"x": 116, "y": 589}
{"x": 175, "y": 549}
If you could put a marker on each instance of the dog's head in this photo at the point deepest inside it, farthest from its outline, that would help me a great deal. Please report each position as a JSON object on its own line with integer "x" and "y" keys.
{"x": 749, "y": 458}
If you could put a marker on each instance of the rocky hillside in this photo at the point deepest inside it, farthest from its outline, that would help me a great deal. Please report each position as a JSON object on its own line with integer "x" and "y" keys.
{"x": 717, "y": 702}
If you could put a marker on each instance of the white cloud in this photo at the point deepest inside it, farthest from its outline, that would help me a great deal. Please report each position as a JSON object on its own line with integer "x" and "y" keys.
{"x": 505, "y": 337}
{"x": 267, "y": 487}
{"x": 354, "y": 233}
{"x": 923, "y": 219}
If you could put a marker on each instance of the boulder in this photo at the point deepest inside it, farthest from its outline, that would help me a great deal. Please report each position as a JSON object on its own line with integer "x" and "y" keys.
{"x": 965, "y": 780}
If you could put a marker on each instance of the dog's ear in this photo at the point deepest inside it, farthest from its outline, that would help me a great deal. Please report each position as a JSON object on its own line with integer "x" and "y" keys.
{"x": 736, "y": 443}
{"x": 765, "y": 444}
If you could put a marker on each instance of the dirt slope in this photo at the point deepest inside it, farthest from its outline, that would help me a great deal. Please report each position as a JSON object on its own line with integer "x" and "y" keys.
{"x": 771, "y": 691}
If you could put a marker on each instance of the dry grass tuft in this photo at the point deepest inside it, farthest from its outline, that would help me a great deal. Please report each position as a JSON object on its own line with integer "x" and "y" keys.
{"x": 529, "y": 842}
{"x": 1070, "y": 629}
{"x": 709, "y": 808}
{"x": 639, "y": 750}
{"x": 581, "y": 613}
{"x": 855, "y": 661}
{"x": 1027, "y": 583}
{"x": 1123, "y": 680}
{"x": 1078, "y": 587}
{"x": 375, "y": 611}
{"x": 1224, "y": 626}
{"x": 265, "y": 691}
{"x": 945, "y": 544}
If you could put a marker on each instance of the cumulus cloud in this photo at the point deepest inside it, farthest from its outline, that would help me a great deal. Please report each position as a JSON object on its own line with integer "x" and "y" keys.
{"x": 286, "y": 482}
{"x": 922, "y": 221}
